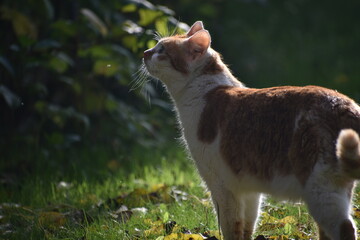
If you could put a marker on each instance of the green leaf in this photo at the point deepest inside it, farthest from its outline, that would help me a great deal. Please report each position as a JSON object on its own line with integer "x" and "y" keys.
{"x": 129, "y": 8}
{"x": 55, "y": 138}
{"x": 49, "y": 9}
{"x": 111, "y": 104}
{"x": 11, "y": 98}
{"x": 95, "y": 21}
{"x": 161, "y": 26}
{"x": 40, "y": 106}
{"x": 148, "y": 16}
{"x": 60, "y": 62}
{"x": 26, "y": 41}
{"x": 287, "y": 229}
{"x": 151, "y": 43}
{"x": 130, "y": 42}
{"x": 22, "y": 24}
{"x": 106, "y": 67}
{"x": 97, "y": 51}
{"x": 63, "y": 29}
{"x": 7, "y": 65}
{"x": 166, "y": 217}
{"x": 57, "y": 65}
{"x": 46, "y": 44}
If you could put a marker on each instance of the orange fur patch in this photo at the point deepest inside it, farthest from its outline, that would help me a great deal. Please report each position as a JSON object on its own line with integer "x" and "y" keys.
{"x": 238, "y": 229}
{"x": 178, "y": 53}
{"x": 280, "y": 130}
{"x": 347, "y": 231}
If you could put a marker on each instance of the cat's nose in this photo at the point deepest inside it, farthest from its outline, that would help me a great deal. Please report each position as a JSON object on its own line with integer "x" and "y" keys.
{"x": 148, "y": 53}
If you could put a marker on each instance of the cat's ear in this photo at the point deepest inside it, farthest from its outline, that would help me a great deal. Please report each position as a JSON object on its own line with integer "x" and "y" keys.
{"x": 197, "y": 26}
{"x": 199, "y": 43}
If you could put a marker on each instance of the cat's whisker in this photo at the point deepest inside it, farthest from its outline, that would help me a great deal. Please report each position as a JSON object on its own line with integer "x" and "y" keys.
{"x": 139, "y": 78}
{"x": 158, "y": 36}
{"x": 142, "y": 79}
{"x": 144, "y": 91}
{"x": 175, "y": 30}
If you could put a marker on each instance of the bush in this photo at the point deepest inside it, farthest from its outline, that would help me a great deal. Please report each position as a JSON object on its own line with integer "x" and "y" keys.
{"x": 66, "y": 69}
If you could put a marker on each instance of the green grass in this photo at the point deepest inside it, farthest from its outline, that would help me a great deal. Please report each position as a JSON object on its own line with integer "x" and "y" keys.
{"x": 50, "y": 200}
{"x": 78, "y": 195}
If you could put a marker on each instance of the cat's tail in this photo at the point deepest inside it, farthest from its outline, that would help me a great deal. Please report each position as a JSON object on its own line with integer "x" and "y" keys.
{"x": 348, "y": 152}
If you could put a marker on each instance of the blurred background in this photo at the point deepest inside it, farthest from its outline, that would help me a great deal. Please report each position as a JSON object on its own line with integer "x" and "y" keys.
{"x": 67, "y": 67}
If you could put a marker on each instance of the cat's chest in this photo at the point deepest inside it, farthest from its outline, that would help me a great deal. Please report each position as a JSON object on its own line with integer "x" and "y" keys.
{"x": 207, "y": 157}
{"x": 189, "y": 113}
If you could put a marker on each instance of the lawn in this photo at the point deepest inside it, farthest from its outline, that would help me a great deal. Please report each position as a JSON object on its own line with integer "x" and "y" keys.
{"x": 143, "y": 194}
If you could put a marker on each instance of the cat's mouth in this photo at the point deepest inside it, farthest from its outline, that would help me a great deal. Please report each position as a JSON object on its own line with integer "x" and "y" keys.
{"x": 146, "y": 62}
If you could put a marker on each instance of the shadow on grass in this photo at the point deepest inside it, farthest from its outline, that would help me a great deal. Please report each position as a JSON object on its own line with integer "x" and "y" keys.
{"x": 89, "y": 166}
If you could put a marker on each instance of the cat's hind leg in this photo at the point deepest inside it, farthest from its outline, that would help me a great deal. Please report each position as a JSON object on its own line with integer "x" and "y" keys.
{"x": 330, "y": 206}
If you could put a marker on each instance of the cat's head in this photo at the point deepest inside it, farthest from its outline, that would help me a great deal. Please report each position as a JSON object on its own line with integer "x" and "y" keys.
{"x": 182, "y": 56}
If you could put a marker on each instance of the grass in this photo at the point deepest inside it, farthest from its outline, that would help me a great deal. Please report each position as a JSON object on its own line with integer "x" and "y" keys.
{"x": 96, "y": 194}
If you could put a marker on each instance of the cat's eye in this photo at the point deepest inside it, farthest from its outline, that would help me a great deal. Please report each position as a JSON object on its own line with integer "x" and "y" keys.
{"x": 161, "y": 49}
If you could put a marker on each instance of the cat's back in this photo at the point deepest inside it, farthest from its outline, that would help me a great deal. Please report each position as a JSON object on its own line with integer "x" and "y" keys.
{"x": 292, "y": 96}
{"x": 284, "y": 107}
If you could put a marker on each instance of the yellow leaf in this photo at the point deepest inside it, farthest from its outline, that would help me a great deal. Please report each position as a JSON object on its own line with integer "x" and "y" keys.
{"x": 267, "y": 218}
{"x": 270, "y": 219}
{"x": 155, "y": 230}
{"x": 213, "y": 233}
{"x": 157, "y": 187}
{"x": 89, "y": 199}
{"x": 288, "y": 219}
{"x": 23, "y": 26}
{"x": 52, "y": 219}
{"x": 113, "y": 165}
{"x": 356, "y": 213}
{"x": 172, "y": 236}
{"x": 183, "y": 236}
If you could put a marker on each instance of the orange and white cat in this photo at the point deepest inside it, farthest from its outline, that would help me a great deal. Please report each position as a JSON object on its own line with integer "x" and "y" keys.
{"x": 291, "y": 142}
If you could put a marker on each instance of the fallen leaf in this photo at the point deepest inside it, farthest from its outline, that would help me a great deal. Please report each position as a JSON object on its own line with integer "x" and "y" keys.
{"x": 159, "y": 193}
{"x": 52, "y": 220}
{"x": 183, "y": 236}
{"x": 113, "y": 165}
{"x": 356, "y": 213}
{"x": 288, "y": 220}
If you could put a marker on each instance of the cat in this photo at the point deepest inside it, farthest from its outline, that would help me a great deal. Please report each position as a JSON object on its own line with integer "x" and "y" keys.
{"x": 296, "y": 143}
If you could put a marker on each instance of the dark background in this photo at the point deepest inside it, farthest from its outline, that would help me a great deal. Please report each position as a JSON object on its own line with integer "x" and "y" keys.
{"x": 66, "y": 67}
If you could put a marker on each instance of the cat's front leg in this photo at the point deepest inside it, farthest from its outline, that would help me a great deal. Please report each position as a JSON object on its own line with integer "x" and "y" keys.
{"x": 252, "y": 208}
{"x": 236, "y": 213}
